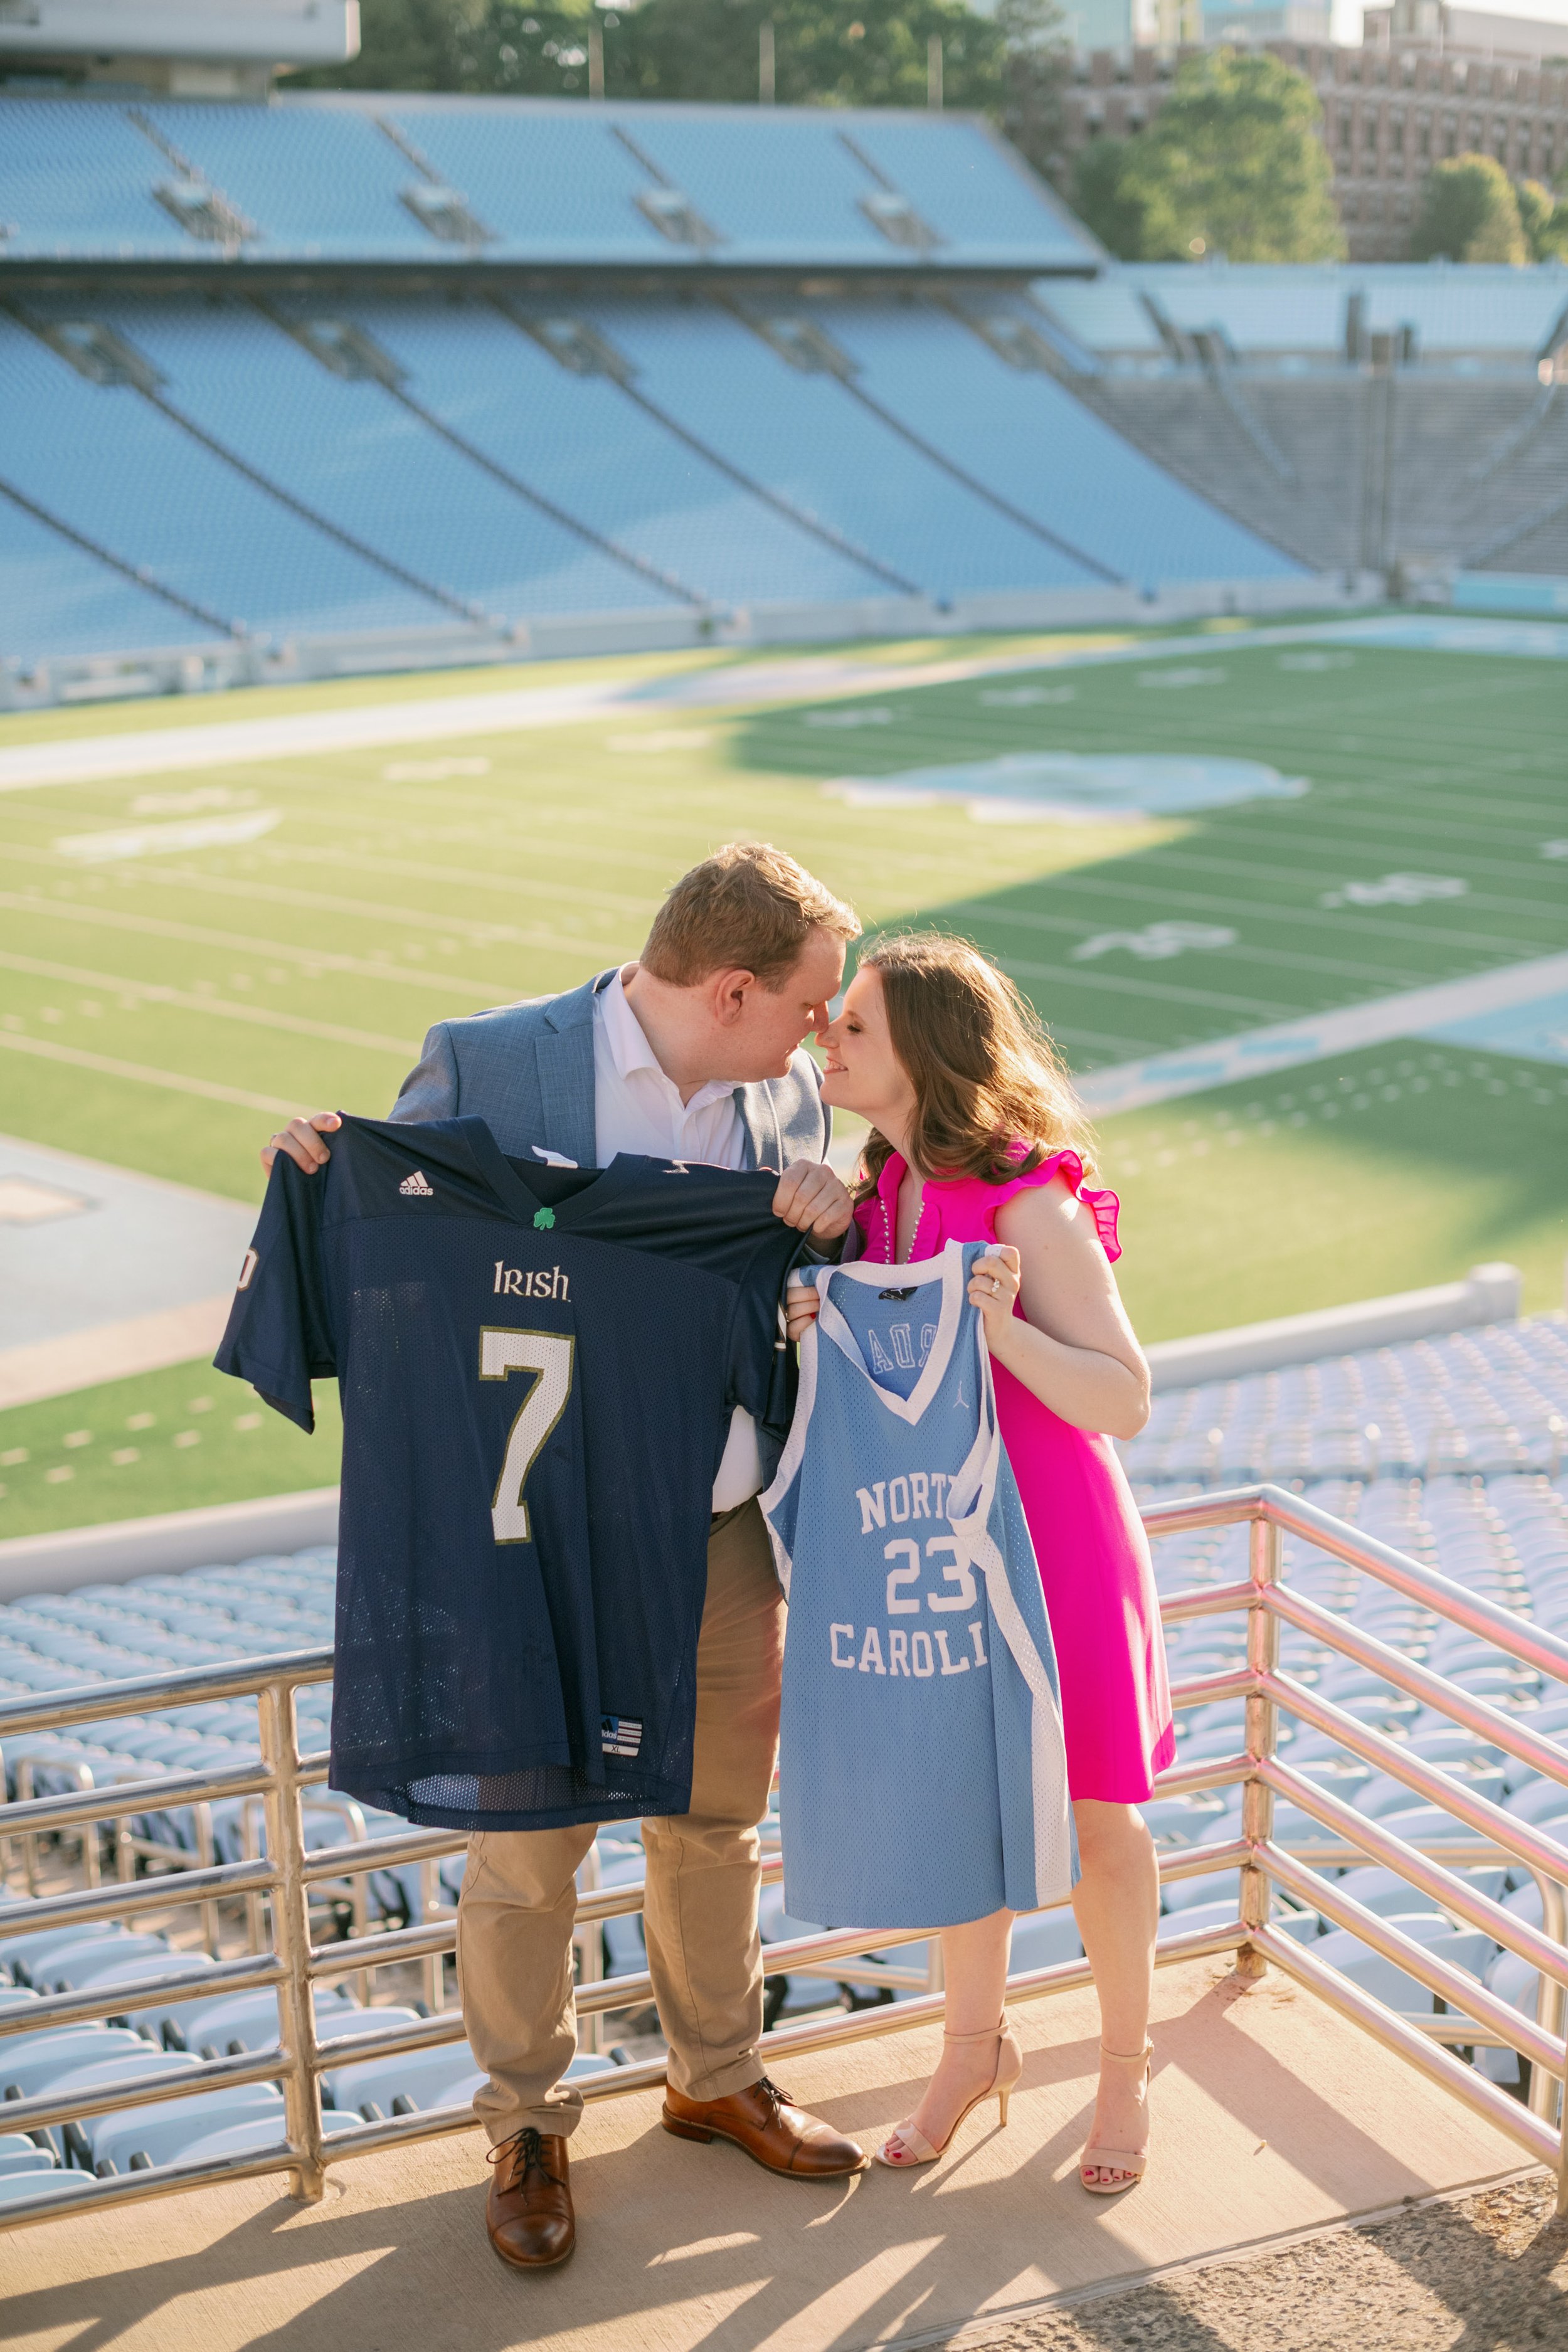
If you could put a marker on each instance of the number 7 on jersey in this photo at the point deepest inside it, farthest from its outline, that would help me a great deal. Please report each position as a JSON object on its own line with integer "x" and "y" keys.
{"x": 549, "y": 1357}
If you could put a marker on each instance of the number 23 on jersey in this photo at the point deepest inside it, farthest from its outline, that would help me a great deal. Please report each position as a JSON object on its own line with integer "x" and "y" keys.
{"x": 550, "y": 1358}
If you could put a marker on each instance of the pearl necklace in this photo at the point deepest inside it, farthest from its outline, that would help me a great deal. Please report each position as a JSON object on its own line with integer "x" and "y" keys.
{"x": 891, "y": 1257}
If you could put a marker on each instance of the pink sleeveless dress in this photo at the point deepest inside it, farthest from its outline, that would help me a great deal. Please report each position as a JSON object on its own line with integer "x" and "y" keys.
{"x": 1089, "y": 1540}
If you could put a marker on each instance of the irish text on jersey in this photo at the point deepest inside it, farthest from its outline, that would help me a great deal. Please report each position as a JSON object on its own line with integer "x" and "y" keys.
{"x": 531, "y": 1282}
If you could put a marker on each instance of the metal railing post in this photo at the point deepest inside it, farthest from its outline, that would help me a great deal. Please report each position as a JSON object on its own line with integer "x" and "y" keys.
{"x": 1551, "y": 2014}
{"x": 435, "y": 1965}
{"x": 291, "y": 1941}
{"x": 1265, "y": 1555}
{"x": 590, "y": 1941}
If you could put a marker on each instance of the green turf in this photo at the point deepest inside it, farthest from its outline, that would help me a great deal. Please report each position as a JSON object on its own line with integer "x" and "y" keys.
{"x": 1445, "y": 768}
{"x": 1376, "y": 1172}
{"x": 165, "y": 1440}
{"x": 165, "y": 1013}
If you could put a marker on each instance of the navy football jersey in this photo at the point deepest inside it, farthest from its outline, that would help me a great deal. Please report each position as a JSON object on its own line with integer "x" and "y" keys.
{"x": 538, "y": 1367}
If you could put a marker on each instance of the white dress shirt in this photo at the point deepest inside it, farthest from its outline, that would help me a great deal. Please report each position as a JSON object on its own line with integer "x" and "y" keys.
{"x": 638, "y": 1109}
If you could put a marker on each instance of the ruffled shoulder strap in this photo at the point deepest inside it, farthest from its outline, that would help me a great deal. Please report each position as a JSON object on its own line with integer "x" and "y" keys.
{"x": 1103, "y": 1206}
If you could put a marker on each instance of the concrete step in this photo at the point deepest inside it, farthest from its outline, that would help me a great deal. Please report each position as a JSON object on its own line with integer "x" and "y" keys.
{"x": 1272, "y": 2116}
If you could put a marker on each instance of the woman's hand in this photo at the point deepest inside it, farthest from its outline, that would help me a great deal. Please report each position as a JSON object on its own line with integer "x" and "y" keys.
{"x": 993, "y": 1288}
{"x": 802, "y": 1300}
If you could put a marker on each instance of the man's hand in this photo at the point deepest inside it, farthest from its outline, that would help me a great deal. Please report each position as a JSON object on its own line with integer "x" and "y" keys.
{"x": 302, "y": 1140}
{"x": 811, "y": 1198}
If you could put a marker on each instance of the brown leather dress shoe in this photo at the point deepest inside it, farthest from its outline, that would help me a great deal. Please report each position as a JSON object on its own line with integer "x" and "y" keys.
{"x": 529, "y": 2210}
{"x": 766, "y": 2123}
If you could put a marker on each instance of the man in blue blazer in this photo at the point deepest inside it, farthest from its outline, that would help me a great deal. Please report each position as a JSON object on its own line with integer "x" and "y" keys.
{"x": 692, "y": 1053}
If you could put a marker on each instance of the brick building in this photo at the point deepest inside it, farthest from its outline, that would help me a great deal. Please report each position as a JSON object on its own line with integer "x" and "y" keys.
{"x": 1391, "y": 110}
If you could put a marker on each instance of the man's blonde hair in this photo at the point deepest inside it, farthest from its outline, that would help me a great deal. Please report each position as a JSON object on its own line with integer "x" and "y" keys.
{"x": 748, "y": 907}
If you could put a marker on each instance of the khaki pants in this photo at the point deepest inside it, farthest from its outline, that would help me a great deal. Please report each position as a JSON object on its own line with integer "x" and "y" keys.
{"x": 520, "y": 1894}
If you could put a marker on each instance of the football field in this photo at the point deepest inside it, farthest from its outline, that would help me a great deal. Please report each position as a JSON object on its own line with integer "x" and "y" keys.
{"x": 187, "y": 956}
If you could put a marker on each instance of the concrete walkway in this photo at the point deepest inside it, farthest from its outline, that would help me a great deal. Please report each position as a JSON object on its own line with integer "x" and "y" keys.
{"x": 1273, "y": 2117}
{"x": 105, "y": 1273}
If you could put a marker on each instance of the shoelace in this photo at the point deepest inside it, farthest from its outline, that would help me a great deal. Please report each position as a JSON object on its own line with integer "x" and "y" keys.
{"x": 770, "y": 2090}
{"x": 529, "y": 2156}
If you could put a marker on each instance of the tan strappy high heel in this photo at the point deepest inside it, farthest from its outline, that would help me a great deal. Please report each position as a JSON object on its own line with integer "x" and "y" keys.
{"x": 916, "y": 2147}
{"x": 1133, "y": 2161}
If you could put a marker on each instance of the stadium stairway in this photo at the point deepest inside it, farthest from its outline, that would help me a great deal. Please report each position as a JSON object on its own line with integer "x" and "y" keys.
{"x": 1271, "y": 2118}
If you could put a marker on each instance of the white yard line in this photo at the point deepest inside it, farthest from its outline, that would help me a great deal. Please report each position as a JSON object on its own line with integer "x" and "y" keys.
{"x": 300, "y": 734}
{"x": 172, "y": 1081}
{"x": 1256, "y": 1053}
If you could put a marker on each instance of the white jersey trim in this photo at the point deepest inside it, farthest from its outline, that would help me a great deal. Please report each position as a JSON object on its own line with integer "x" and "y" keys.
{"x": 947, "y": 1269}
{"x": 977, "y": 1480}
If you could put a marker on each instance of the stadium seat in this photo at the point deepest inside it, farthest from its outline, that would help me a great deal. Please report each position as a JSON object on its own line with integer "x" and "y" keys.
{"x": 442, "y": 2078}
{"x": 1038, "y": 1942}
{"x": 15, "y": 2186}
{"x": 162, "y": 2134}
{"x": 20, "y": 2153}
{"x": 260, "y": 2130}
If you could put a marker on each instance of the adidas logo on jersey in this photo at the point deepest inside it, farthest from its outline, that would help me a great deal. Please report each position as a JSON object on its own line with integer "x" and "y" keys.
{"x": 621, "y": 1735}
{"x": 416, "y": 1187}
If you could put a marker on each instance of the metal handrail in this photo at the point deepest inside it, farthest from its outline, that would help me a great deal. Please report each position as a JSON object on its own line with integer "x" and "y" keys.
{"x": 288, "y": 1872}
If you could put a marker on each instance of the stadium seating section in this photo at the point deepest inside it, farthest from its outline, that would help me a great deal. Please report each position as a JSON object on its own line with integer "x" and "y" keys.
{"x": 1450, "y": 1449}
{"x": 317, "y": 178}
{"x": 324, "y": 457}
{"x": 1360, "y": 416}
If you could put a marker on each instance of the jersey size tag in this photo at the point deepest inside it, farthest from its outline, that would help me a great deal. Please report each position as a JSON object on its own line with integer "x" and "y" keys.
{"x": 621, "y": 1735}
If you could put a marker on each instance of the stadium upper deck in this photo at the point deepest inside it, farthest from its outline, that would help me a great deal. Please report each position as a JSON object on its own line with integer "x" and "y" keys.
{"x": 1144, "y": 314}
{"x": 438, "y": 183}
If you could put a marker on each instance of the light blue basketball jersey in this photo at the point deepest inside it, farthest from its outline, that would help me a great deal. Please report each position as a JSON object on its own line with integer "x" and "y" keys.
{"x": 923, "y": 1776}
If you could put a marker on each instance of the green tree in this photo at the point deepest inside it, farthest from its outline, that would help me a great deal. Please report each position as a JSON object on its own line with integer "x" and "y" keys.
{"x": 405, "y": 45}
{"x": 1543, "y": 216}
{"x": 1035, "y": 62}
{"x": 832, "y": 52}
{"x": 1104, "y": 201}
{"x": 1233, "y": 163}
{"x": 1469, "y": 213}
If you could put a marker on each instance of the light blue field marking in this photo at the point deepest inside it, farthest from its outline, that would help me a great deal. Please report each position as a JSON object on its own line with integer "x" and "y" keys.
{"x": 1533, "y": 996}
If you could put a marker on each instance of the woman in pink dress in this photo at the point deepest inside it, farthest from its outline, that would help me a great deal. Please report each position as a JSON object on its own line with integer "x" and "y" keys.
{"x": 976, "y": 1136}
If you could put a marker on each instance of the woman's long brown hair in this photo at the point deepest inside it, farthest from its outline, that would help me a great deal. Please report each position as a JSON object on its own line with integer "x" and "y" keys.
{"x": 992, "y": 1098}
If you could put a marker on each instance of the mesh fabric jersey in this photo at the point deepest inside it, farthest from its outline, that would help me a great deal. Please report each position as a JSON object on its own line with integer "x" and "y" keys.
{"x": 538, "y": 1367}
{"x": 922, "y": 1778}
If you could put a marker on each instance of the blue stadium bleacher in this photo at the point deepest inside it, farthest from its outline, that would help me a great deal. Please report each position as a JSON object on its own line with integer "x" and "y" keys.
{"x": 798, "y": 193}
{"x": 77, "y": 179}
{"x": 1103, "y": 314}
{"x": 580, "y": 440}
{"x": 327, "y": 459}
{"x": 805, "y": 436}
{"x": 56, "y": 598}
{"x": 1451, "y": 1450}
{"x": 324, "y": 175}
{"x": 103, "y": 460}
{"x": 1257, "y": 306}
{"x": 552, "y": 181}
{"x": 360, "y": 460}
{"x": 973, "y": 192}
{"x": 1034, "y": 444}
{"x": 1266, "y": 310}
{"x": 315, "y": 184}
